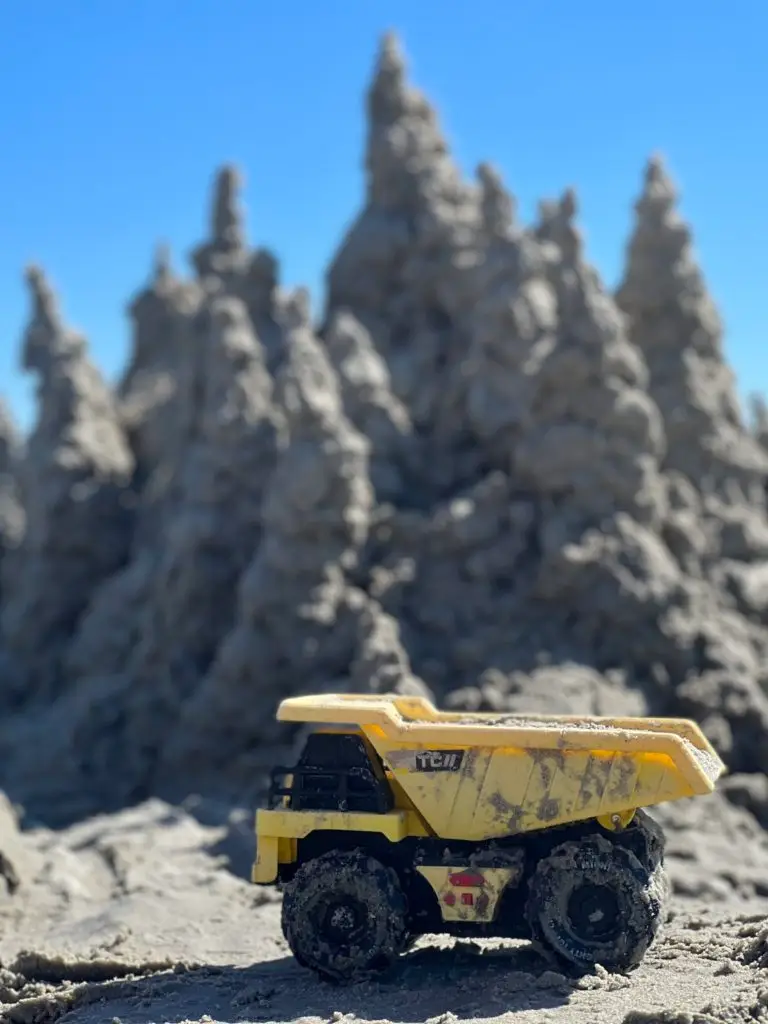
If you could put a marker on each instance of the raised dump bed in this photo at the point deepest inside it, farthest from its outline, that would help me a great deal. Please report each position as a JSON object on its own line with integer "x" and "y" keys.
{"x": 400, "y": 820}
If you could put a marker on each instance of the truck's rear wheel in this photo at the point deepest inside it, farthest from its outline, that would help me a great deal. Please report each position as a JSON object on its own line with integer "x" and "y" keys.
{"x": 593, "y": 902}
{"x": 345, "y": 916}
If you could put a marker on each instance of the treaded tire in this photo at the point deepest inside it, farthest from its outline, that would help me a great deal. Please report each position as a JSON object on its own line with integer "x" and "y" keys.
{"x": 592, "y": 902}
{"x": 655, "y": 841}
{"x": 653, "y": 833}
{"x": 345, "y": 916}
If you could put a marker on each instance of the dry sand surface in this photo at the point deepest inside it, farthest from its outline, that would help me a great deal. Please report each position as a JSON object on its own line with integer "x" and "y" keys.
{"x": 145, "y": 916}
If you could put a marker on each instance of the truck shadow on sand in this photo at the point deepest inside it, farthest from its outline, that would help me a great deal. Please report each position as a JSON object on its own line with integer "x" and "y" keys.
{"x": 465, "y": 980}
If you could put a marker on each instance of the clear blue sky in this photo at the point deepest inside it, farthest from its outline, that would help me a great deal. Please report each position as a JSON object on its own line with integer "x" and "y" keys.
{"x": 114, "y": 116}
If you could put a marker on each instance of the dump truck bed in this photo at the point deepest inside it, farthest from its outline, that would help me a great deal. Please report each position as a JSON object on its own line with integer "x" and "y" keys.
{"x": 479, "y": 776}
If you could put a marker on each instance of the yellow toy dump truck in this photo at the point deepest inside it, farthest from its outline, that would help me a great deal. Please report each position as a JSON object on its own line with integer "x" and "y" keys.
{"x": 400, "y": 820}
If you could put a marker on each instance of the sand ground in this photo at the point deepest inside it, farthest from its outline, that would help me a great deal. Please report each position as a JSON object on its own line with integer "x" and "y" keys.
{"x": 144, "y": 917}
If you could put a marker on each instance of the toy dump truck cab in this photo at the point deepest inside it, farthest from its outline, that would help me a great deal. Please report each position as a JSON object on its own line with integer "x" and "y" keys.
{"x": 399, "y": 820}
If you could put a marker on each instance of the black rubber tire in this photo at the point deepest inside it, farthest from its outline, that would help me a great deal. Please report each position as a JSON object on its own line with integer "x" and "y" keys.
{"x": 334, "y": 893}
{"x": 655, "y": 842}
{"x": 586, "y": 883}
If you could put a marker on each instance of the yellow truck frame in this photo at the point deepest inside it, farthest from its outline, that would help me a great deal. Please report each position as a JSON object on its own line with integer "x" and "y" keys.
{"x": 400, "y": 820}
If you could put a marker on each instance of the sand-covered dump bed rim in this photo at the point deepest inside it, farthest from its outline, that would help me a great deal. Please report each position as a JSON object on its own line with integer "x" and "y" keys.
{"x": 405, "y": 720}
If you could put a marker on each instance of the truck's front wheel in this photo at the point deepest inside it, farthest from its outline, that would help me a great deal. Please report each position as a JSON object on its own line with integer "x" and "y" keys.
{"x": 592, "y": 902}
{"x": 345, "y": 916}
